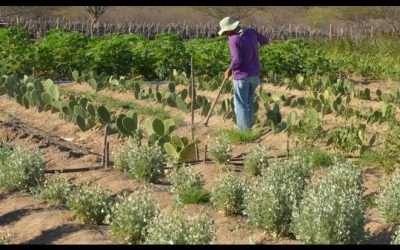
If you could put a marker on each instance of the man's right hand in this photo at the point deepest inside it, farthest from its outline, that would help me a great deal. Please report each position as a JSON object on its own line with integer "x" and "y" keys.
{"x": 228, "y": 73}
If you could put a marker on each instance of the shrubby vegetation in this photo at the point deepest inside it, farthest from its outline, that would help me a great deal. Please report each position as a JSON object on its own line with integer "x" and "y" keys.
{"x": 332, "y": 210}
{"x": 20, "y": 168}
{"x": 90, "y": 205}
{"x": 228, "y": 193}
{"x": 130, "y": 217}
{"x": 256, "y": 160}
{"x": 180, "y": 229}
{"x": 388, "y": 200}
{"x": 276, "y": 195}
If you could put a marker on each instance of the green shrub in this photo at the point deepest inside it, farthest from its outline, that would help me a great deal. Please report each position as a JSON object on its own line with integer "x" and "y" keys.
{"x": 396, "y": 237}
{"x": 60, "y": 52}
{"x": 19, "y": 168}
{"x": 221, "y": 151}
{"x": 188, "y": 185}
{"x": 130, "y": 218}
{"x": 316, "y": 157}
{"x": 90, "y": 205}
{"x": 276, "y": 194}
{"x": 388, "y": 200}
{"x": 16, "y": 51}
{"x": 228, "y": 193}
{"x": 116, "y": 54}
{"x": 120, "y": 159}
{"x": 256, "y": 160}
{"x": 55, "y": 191}
{"x": 179, "y": 229}
{"x": 292, "y": 57}
{"x": 142, "y": 162}
{"x": 166, "y": 53}
{"x": 332, "y": 211}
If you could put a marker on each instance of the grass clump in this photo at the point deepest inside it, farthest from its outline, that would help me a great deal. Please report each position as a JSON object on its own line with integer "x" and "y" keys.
{"x": 20, "y": 168}
{"x": 55, "y": 191}
{"x": 131, "y": 216}
{"x": 142, "y": 162}
{"x": 90, "y": 205}
{"x": 241, "y": 136}
{"x": 388, "y": 200}
{"x": 273, "y": 197}
{"x": 189, "y": 186}
{"x": 178, "y": 229}
{"x": 256, "y": 160}
{"x": 332, "y": 210}
{"x": 316, "y": 157}
{"x": 221, "y": 150}
{"x": 228, "y": 193}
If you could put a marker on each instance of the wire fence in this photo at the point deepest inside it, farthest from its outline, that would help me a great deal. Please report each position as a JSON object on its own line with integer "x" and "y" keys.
{"x": 38, "y": 28}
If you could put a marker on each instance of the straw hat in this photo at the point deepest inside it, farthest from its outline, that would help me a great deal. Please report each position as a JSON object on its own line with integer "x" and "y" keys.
{"x": 227, "y": 24}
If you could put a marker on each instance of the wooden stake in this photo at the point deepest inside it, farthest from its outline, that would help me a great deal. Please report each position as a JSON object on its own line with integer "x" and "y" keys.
{"x": 107, "y": 154}
{"x": 205, "y": 153}
{"x": 103, "y": 159}
{"x": 192, "y": 107}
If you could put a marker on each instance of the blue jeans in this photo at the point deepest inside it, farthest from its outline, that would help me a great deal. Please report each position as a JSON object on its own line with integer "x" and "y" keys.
{"x": 244, "y": 90}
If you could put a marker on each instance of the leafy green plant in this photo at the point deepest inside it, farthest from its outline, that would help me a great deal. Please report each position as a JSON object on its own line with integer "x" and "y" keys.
{"x": 273, "y": 198}
{"x": 347, "y": 138}
{"x": 144, "y": 163}
{"x": 256, "y": 160}
{"x": 176, "y": 228}
{"x": 5, "y": 238}
{"x": 17, "y": 51}
{"x": 19, "y": 168}
{"x": 55, "y": 191}
{"x": 238, "y": 136}
{"x": 188, "y": 185}
{"x": 228, "y": 193}
{"x": 388, "y": 200}
{"x": 396, "y": 237}
{"x": 60, "y": 52}
{"x": 332, "y": 210}
{"x": 221, "y": 150}
{"x": 117, "y": 54}
{"x": 90, "y": 205}
{"x": 131, "y": 216}
{"x": 316, "y": 157}
{"x": 179, "y": 149}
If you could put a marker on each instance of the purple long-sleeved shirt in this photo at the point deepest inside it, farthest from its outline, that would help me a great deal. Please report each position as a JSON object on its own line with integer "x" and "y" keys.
{"x": 244, "y": 53}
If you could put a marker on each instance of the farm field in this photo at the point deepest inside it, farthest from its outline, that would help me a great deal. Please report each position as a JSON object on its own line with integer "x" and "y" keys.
{"x": 324, "y": 145}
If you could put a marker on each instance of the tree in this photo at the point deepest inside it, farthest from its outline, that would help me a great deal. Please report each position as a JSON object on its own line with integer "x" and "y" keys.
{"x": 95, "y": 12}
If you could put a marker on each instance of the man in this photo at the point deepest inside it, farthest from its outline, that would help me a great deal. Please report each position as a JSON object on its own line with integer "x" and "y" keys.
{"x": 245, "y": 66}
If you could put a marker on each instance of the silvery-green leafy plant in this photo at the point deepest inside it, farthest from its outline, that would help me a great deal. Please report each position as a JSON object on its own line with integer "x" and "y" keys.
{"x": 188, "y": 184}
{"x": 176, "y": 228}
{"x": 389, "y": 200}
{"x": 396, "y": 237}
{"x": 55, "y": 191}
{"x": 5, "y": 238}
{"x": 131, "y": 216}
{"x": 256, "y": 160}
{"x": 90, "y": 205}
{"x": 20, "y": 168}
{"x": 228, "y": 193}
{"x": 273, "y": 197}
{"x": 221, "y": 150}
{"x": 332, "y": 210}
{"x": 142, "y": 162}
